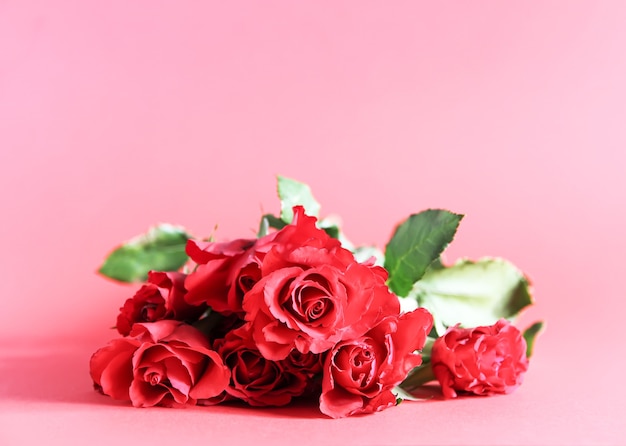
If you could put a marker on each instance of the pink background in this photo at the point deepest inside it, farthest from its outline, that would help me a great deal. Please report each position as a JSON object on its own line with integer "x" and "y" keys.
{"x": 116, "y": 115}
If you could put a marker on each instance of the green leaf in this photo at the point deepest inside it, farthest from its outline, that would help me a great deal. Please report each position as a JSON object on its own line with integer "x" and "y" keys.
{"x": 402, "y": 394}
{"x": 417, "y": 378}
{"x": 292, "y": 193}
{"x": 415, "y": 244}
{"x": 162, "y": 248}
{"x": 331, "y": 230}
{"x": 270, "y": 221}
{"x": 530, "y": 334}
{"x": 264, "y": 227}
{"x": 473, "y": 293}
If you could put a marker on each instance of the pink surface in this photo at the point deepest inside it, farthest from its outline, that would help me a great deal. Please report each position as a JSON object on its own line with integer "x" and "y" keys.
{"x": 116, "y": 115}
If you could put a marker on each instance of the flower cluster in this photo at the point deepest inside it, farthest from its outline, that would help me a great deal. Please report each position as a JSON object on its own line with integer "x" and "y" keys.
{"x": 264, "y": 321}
{"x": 292, "y": 313}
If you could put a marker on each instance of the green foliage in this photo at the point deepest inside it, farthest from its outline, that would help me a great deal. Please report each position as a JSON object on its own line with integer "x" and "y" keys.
{"x": 530, "y": 334}
{"x": 417, "y": 243}
{"x": 293, "y": 193}
{"x": 365, "y": 253}
{"x": 473, "y": 293}
{"x": 162, "y": 248}
{"x": 270, "y": 221}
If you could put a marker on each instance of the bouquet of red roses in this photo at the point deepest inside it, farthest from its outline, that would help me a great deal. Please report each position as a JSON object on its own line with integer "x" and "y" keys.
{"x": 299, "y": 311}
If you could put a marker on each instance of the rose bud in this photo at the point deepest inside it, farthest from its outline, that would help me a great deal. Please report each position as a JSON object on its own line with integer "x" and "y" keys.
{"x": 486, "y": 360}
{"x": 162, "y": 297}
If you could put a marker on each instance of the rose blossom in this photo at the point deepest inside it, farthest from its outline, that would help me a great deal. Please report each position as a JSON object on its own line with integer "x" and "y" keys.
{"x": 226, "y": 271}
{"x": 164, "y": 363}
{"x": 484, "y": 360}
{"x": 313, "y": 293}
{"x": 162, "y": 297}
{"x": 360, "y": 373}
{"x": 259, "y": 381}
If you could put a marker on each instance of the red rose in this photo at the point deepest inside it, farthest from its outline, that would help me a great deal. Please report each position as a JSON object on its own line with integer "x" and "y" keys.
{"x": 254, "y": 379}
{"x": 164, "y": 363}
{"x": 161, "y": 298}
{"x": 226, "y": 271}
{"x": 175, "y": 304}
{"x": 484, "y": 360}
{"x": 312, "y": 293}
{"x": 147, "y": 305}
{"x": 360, "y": 373}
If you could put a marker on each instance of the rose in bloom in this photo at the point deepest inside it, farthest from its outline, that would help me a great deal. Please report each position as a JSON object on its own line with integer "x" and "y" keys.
{"x": 165, "y": 363}
{"x": 360, "y": 373}
{"x": 162, "y": 297}
{"x": 226, "y": 271}
{"x": 483, "y": 360}
{"x": 313, "y": 293}
{"x": 259, "y": 381}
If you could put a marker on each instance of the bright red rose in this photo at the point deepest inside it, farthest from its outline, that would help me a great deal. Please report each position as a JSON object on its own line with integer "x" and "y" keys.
{"x": 163, "y": 363}
{"x": 313, "y": 294}
{"x": 360, "y": 373}
{"x": 162, "y": 297}
{"x": 254, "y": 379}
{"x": 483, "y": 361}
{"x": 226, "y": 271}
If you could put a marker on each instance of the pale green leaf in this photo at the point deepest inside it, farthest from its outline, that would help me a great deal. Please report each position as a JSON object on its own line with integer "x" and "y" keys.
{"x": 365, "y": 253}
{"x": 269, "y": 221}
{"x": 162, "y": 248}
{"x": 292, "y": 193}
{"x": 402, "y": 394}
{"x": 473, "y": 293}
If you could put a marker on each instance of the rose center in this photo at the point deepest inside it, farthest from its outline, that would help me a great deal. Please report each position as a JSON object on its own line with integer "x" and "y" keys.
{"x": 316, "y": 309}
{"x": 153, "y": 378}
{"x": 312, "y": 304}
{"x": 248, "y": 277}
{"x": 148, "y": 312}
{"x": 250, "y": 369}
{"x": 361, "y": 358}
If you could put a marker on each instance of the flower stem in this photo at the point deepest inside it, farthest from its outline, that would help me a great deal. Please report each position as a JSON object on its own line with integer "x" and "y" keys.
{"x": 418, "y": 377}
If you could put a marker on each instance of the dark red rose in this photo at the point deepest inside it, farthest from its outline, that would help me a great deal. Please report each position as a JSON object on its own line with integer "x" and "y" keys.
{"x": 254, "y": 379}
{"x": 483, "y": 360}
{"x": 162, "y": 297}
{"x": 360, "y": 373}
{"x": 226, "y": 271}
{"x": 165, "y": 363}
{"x": 313, "y": 294}
{"x": 309, "y": 366}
